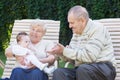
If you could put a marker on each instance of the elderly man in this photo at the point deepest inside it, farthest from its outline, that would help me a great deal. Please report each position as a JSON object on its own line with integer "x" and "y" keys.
{"x": 90, "y": 48}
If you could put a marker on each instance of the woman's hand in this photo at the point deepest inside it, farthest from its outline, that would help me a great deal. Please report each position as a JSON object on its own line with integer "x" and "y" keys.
{"x": 21, "y": 60}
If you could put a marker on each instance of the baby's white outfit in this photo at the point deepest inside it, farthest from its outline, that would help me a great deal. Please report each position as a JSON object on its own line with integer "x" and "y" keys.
{"x": 39, "y": 53}
{"x": 29, "y": 57}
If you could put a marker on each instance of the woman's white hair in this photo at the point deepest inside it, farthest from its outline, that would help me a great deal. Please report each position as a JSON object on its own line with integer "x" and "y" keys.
{"x": 39, "y": 24}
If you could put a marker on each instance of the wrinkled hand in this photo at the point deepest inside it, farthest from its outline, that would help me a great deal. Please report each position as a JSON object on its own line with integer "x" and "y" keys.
{"x": 57, "y": 49}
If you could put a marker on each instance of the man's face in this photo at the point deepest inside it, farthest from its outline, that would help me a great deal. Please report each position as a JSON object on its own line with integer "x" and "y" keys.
{"x": 77, "y": 25}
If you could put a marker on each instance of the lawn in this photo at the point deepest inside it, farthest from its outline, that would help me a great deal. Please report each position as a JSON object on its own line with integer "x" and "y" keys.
{"x": 3, "y": 58}
{"x": 1, "y": 71}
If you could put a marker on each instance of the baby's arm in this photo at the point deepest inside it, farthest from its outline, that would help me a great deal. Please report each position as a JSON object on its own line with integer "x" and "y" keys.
{"x": 49, "y": 59}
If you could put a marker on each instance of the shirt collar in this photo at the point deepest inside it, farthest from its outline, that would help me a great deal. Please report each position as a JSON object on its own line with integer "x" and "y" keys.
{"x": 89, "y": 24}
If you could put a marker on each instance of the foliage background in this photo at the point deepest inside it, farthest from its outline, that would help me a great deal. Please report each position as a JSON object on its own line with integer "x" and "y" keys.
{"x": 11, "y": 10}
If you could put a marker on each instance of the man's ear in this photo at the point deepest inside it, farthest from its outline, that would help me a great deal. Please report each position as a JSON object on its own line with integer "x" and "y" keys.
{"x": 83, "y": 21}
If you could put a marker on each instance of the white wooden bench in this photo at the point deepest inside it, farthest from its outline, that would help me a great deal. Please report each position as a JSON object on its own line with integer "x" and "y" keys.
{"x": 23, "y": 25}
{"x": 113, "y": 25}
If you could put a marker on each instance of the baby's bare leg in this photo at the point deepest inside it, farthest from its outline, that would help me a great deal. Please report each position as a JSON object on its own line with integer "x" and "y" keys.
{"x": 33, "y": 60}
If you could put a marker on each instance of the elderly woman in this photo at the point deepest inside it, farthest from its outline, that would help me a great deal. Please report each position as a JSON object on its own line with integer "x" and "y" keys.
{"x": 37, "y": 31}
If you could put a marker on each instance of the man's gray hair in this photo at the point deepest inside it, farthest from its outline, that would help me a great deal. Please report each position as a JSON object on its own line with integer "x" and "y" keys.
{"x": 79, "y": 11}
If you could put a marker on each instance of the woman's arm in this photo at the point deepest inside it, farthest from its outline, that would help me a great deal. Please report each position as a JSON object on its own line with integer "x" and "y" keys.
{"x": 8, "y": 52}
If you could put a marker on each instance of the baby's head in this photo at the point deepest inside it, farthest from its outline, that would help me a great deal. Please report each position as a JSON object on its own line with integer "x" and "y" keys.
{"x": 23, "y": 39}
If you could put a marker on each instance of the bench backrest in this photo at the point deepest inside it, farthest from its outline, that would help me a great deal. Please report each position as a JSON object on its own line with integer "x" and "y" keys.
{"x": 23, "y": 25}
{"x": 113, "y": 26}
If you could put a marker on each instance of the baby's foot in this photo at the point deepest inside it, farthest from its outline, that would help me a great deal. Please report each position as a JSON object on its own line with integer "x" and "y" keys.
{"x": 43, "y": 66}
{"x": 49, "y": 70}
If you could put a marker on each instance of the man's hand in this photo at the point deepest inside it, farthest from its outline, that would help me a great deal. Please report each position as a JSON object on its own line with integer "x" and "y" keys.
{"x": 57, "y": 49}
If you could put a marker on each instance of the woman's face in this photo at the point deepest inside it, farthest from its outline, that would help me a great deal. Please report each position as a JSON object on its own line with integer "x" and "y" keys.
{"x": 36, "y": 34}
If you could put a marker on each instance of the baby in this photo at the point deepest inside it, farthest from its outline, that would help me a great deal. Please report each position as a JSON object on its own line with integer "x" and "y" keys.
{"x": 24, "y": 53}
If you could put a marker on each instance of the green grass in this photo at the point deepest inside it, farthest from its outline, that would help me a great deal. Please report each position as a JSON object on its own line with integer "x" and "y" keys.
{"x": 3, "y": 58}
{"x": 62, "y": 63}
{"x": 1, "y": 71}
